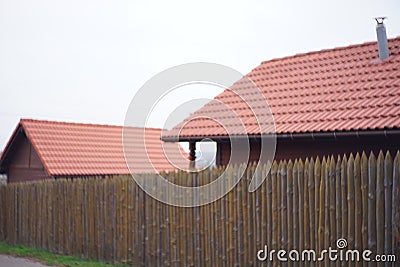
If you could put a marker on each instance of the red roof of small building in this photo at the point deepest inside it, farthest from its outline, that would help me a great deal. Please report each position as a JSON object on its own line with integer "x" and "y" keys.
{"x": 91, "y": 149}
{"x": 340, "y": 89}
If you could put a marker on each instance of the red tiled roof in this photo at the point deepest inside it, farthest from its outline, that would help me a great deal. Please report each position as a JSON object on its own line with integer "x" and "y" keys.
{"x": 340, "y": 89}
{"x": 91, "y": 149}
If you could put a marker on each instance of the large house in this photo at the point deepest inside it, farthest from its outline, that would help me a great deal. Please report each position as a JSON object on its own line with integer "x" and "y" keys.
{"x": 41, "y": 149}
{"x": 327, "y": 102}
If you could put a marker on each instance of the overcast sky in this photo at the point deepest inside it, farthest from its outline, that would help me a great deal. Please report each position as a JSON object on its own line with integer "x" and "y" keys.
{"x": 83, "y": 60}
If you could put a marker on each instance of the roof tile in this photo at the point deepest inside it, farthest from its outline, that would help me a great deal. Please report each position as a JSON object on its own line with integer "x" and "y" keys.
{"x": 338, "y": 89}
{"x": 91, "y": 149}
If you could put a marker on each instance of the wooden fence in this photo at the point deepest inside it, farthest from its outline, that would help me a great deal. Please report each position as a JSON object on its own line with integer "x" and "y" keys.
{"x": 301, "y": 205}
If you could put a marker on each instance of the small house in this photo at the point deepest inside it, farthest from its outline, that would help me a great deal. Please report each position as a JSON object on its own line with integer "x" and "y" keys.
{"x": 40, "y": 149}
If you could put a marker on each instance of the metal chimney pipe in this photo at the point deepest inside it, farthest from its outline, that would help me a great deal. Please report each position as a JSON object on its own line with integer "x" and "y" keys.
{"x": 383, "y": 48}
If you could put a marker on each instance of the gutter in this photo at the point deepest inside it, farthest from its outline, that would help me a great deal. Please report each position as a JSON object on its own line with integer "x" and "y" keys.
{"x": 387, "y": 133}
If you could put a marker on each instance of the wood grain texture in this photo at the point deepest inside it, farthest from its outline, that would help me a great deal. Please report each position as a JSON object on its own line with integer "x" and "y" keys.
{"x": 302, "y": 204}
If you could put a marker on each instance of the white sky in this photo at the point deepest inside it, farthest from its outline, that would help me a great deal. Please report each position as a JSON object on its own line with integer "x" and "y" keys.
{"x": 83, "y": 60}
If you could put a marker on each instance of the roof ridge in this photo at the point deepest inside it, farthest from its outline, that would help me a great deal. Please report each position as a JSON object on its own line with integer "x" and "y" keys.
{"x": 325, "y": 50}
{"x": 22, "y": 120}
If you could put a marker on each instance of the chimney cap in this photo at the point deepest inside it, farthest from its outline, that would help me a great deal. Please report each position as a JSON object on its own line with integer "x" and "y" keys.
{"x": 380, "y": 20}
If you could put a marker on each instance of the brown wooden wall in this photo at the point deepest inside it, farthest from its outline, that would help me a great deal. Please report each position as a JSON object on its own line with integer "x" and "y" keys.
{"x": 307, "y": 147}
{"x": 24, "y": 164}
